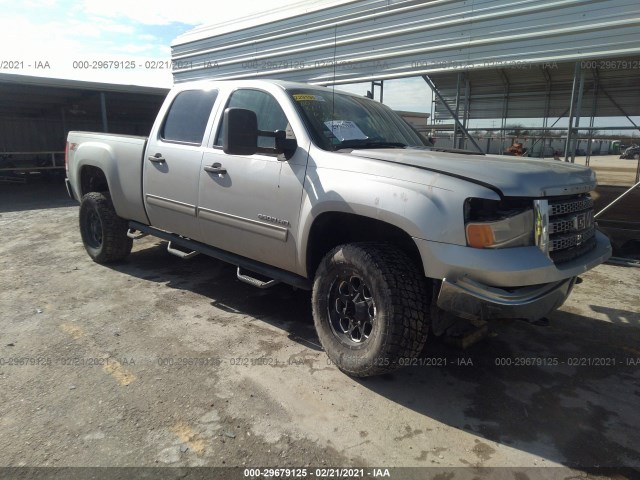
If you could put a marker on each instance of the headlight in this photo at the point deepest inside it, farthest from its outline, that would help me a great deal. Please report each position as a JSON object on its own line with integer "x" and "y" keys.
{"x": 493, "y": 224}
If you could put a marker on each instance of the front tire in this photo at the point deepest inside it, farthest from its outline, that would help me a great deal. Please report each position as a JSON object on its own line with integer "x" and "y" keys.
{"x": 370, "y": 308}
{"x": 104, "y": 234}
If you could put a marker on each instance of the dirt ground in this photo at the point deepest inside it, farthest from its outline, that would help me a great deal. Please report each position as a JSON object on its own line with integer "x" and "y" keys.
{"x": 611, "y": 169}
{"x": 160, "y": 362}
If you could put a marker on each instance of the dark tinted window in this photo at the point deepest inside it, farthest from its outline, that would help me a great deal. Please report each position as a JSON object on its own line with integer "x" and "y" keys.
{"x": 187, "y": 118}
{"x": 270, "y": 115}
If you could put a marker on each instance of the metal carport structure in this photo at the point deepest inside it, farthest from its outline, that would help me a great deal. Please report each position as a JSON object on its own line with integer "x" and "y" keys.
{"x": 509, "y": 58}
{"x": 37, "y": 112}
{"x": 605, "y": 87}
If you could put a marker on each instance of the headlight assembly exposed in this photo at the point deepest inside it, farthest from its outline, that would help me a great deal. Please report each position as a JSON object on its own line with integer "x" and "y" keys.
{"x": 491, "y": 224}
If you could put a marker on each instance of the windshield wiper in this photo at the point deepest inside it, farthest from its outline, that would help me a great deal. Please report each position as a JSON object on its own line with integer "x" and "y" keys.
{"x": 369, "y": 144}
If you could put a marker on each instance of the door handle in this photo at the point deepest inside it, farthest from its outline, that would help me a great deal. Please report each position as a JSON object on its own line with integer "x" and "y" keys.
{"x": 216, "y": 168}
{"x": 157, "y": 158}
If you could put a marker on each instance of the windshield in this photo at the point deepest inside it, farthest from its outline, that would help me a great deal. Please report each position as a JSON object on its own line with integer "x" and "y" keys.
{"x": 338, "y": 121}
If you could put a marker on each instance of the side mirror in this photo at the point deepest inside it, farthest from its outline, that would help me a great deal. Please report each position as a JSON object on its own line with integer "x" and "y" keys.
{"x": 284, "y": 145}
{"x": 240, "y": 132}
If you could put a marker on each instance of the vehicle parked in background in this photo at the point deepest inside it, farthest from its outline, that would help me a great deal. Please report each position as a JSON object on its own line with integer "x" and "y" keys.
{"x": 335, "y": 193}
{"x": 632, "y": 152}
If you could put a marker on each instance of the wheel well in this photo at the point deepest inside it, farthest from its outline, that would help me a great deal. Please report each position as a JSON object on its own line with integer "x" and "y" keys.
{"x": 335, "y": 228}
{"x": 92, "y": 179}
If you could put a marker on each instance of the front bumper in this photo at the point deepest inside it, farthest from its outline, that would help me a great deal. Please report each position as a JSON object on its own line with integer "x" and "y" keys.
{"x": 473, "y": 300}
{"x": 505, "y": 267}
{"x": 519, "y": 282}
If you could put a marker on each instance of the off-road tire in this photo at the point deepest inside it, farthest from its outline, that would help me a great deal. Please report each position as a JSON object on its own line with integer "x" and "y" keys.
{"x": 104, "y": 234}
{"x": 399, "y": 292}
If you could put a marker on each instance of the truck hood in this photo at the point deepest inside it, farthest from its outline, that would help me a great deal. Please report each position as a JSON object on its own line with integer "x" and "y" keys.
{"x": 513, "y": 176}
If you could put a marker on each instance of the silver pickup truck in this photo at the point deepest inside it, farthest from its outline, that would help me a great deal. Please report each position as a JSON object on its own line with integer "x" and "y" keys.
{"x": 337, "y": 194}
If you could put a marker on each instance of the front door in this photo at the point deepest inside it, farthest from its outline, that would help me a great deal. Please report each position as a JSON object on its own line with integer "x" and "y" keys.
{"x": 253, "y": 208}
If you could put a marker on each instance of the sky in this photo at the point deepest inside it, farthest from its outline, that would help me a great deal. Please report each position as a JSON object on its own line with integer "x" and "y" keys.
{"x": 56, "y": 38}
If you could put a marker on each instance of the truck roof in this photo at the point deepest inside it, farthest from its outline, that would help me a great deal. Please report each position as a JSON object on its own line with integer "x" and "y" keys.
{"x": 251, "y": 83}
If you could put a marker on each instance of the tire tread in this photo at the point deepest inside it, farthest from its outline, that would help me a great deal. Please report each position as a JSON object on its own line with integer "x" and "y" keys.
{"x": 115, "y": 243}
{"x": 408, "y": 328}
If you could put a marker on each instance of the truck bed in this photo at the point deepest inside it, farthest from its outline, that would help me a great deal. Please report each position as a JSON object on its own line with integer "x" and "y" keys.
{"x": 120, "y": 158}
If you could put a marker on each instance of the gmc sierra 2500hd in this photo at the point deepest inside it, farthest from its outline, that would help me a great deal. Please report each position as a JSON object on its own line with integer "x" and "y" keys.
{"x": 335, "y": 193}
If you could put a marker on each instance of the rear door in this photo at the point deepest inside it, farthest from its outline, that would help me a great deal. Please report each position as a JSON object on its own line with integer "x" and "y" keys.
{"x": 253, "y": 208}
{"x": 173, "y": 163}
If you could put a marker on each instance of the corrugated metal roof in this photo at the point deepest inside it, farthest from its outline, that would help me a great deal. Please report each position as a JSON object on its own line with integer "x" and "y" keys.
{"x": 364, "y": 40}
{"x": 10, "y": 78}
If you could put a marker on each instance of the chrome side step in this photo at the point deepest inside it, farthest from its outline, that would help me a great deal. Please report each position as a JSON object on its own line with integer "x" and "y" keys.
{"x": 268, "y": 271}
{"x": 180, "y": 253}
{"x": 135, "y": 234}
{"x": 254, "y": 281}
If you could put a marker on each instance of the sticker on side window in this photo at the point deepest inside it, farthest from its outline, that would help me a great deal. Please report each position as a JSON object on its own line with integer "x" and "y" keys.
{"x": 304, "y": 97}
{"x": 345, "y": 130}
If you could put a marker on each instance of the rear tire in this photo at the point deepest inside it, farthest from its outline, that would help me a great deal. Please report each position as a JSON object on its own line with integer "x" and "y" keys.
{"x": 104, "y": 234}
{"x": 370, "y": 308}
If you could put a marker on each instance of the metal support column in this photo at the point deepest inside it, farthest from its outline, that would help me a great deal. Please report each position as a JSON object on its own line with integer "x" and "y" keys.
{"x": 547, "y": 106}
{"x": 594, "y": 109}
{"x": 433, "y": 110}
{"x": 467, "y": 100}
{"x": 375, "y": 84}
{"x": 505, "y": 108}
{"x": 577, "y": 115}
{"x": 451, "y": 112}
{"x": 103, "y": 110}
{"x": 457, "y": 110}
{"x": 567, "y": 145}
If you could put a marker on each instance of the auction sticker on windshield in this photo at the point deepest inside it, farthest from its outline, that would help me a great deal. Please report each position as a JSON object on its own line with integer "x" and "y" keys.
{"x": 345, "y": 130}
{"x": 304, "y": 97}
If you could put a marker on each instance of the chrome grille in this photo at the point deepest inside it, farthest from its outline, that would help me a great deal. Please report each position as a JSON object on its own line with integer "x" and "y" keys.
{"x": 579, "y": 221}
{"x": 571, "y": 228}
{"x": 569, "y": 206}
{"x": 568, "y": 241}
{"x": 561, "y": 226}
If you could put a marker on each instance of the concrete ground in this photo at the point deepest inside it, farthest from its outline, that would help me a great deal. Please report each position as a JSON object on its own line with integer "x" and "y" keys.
{"x": 157, "y": 361}
{"x": 611, "y": 169}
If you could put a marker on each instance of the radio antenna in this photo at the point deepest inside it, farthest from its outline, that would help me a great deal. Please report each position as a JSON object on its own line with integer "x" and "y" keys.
{"x": 333, "y": 85}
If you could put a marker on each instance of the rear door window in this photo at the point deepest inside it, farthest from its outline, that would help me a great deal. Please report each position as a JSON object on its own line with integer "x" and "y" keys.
{"x": 187, "y": 118}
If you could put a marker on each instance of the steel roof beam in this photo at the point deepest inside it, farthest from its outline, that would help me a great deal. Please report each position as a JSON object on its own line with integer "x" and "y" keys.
{"x": 455, "y": 118}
